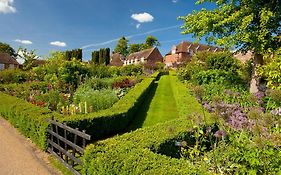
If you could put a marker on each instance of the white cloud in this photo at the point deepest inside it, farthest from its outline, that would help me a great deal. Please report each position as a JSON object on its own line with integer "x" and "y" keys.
{"x": 175, "y": 1}
{"x": 27, "y": 42}
{"x": 142, "y": 17}
{"x": 138, "y": 26}
{"x": 58, "y": 43}
{"x": 6, "y": 6}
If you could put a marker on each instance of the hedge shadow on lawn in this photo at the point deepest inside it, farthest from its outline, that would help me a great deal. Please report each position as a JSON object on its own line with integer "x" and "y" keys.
{"x": 141, "y": 113}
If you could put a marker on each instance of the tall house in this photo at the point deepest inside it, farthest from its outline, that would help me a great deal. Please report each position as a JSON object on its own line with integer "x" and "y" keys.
{"x": 148, "y": 56}
{"x": 184, "y": 51}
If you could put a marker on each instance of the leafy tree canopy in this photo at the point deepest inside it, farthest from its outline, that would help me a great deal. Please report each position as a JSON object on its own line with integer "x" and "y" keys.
{"x": 246, "y": 24}
{"x": 28, "y": 56}
{"x": 6, "y": 48}
{"x": 122, "y": 46}
{"x": 135, "y": 48}
{"x": 150, "y": 42}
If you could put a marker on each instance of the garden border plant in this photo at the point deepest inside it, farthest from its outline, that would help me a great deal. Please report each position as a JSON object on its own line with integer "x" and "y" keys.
{"x": 121, "y": 154}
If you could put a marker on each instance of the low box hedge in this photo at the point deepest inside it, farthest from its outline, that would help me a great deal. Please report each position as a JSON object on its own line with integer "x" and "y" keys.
{"x": 115, "y": 119}
{"x": 27, "y": 118}
{"x": 30, "y": 119}
{"x": 140, "y": 152}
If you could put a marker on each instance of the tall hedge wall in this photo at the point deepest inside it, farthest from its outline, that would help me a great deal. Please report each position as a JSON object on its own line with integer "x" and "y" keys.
{"x": 115, "y": 119}
{"x": 29, "y": 119}
{"x": 139, "y": 152}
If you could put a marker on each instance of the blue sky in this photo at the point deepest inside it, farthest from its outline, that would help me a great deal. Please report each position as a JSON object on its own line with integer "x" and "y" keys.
{"x": 50, "y": 25}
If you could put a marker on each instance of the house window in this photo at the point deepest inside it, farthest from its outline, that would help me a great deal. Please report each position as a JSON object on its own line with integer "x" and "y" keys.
{"x": 136, "y": 61}
{"x": 11, "y": 66}
{"x": 2, "y": 66}
{"x": 142, "y": 59}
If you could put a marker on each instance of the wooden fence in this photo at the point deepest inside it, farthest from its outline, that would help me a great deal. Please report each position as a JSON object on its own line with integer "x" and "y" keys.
{"x": 67, "y": 144}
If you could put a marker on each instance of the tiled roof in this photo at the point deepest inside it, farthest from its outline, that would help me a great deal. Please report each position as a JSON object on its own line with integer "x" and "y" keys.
{"x": 38, "y": 62}
{"x": 116, "y": 59}
{"x": 186, "y": 46}
{"x": 7, "y": 59}
{"x": 142, "y": 54}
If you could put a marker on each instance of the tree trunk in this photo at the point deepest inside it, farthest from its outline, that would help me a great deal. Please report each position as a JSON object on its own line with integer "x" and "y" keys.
{"x": 255, "y": 81}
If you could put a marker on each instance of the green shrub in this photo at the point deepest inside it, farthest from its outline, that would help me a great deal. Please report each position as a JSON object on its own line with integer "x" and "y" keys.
{"x": 271, "y": 72}
{"x": 131, "y": 70}
{"x": 218, "y": 76}
{"x": 95, "y": 99}
{"x": 27, "y": 118}
{"x": 139, "y": 152}
{"x": 115, "y": 119}
{"x": 223, "y": 61}
{"x": 13, "y": 76}
{"x": 24, "y": 90}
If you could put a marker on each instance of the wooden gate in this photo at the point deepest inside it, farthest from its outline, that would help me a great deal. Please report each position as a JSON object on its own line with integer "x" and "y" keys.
{"x": 67, "y": 144}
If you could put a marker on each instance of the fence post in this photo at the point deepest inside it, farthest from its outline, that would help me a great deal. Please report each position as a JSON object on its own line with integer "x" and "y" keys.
{"x": 73, "y": 149}
{"x": 65, "y": 145}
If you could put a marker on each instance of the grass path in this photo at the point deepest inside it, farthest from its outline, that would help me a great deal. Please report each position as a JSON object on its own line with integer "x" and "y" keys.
{"x": 160, "y": 105}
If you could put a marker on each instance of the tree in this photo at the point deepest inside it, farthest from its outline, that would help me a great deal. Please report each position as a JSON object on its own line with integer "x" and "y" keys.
{"x": 247, "y": 25}
{"x": 95, "y": 57}
{"x": 150, "y": 42}
{"x": 28, "y": 56}
{"x": 75, "y": 53}
{"x": 122, "y": 46}
{"x": 107, "y": 56}
{"x": 6, "y": 48}
{"x": 101, "y": 56}
{"x": 135, "y": 48}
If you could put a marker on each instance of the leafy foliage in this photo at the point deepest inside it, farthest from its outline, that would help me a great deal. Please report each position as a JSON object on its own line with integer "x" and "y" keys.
{"x": 271, "y": 72}
{"x": 26, "y": 117}
{"x": 75, "y": 53}
{"x": 95, "y": 99}
{"x": 122, "y": 46}
{"x": 14, "y": 76}
{"x": 6, "y": 48}
{"x": 248, "y": 25}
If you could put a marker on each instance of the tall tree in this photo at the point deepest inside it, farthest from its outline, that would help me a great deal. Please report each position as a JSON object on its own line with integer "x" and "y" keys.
{"x": 150, "y": 42}
{"x": 122, "y": 46}
{"x": 135, "y": 48}
{"x": 107, "y": 56}
{"x": 245, "y": 24}
{"x": 28, "y": 56}
{"x": 6, "y": 48}
{"x": 75, "y": 53}
{"x": 101, "y": 56}
{"x": 95, "y": 57}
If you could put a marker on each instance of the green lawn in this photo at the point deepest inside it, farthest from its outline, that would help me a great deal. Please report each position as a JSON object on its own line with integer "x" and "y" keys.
{"x": 160, "y": 105}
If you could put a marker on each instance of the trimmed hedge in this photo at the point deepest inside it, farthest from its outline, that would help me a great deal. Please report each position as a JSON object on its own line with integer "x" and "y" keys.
{"x": 29, "y": 119}
{"x": 115, "y": 119}
{"x": 139, "y": 152}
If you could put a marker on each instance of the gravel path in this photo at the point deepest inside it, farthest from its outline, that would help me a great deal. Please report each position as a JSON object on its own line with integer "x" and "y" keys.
{"x": 18, "y": 156}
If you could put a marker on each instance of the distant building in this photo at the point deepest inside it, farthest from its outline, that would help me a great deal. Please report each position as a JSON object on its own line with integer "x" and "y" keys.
{"x": 116, "y": 59}
{"x": 243, "y": 57}
{"x": 184, "y": 51}
{"x": 8, "y": 62}
{"x": 148, "y": 56}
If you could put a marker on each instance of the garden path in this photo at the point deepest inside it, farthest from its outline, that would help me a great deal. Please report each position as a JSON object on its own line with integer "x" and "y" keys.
{"x": 159, "y": 106}
{"x": 19, "y": 156}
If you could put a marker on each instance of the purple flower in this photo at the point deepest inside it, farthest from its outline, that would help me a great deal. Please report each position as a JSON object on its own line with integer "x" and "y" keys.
{"x": 276, "y": 111}
{"x": 259, "y": 95}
